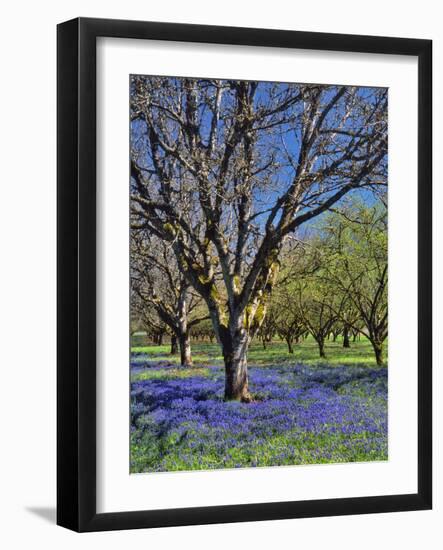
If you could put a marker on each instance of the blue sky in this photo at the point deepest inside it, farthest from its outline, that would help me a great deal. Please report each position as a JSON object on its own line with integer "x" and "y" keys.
{"x": 287, "y": 141}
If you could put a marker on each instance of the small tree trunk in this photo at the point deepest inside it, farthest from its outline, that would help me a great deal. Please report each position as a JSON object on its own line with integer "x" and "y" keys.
{"x": 174, "y": 345}
{"x": 289, "y": 342}
{"x": 185, "y": 351}
{"x": 321, "y": 347}
{"x": 264, "y": 342}
{"x": 235, "y": 349}
{"x": 346, "y": 343}
{"x": 160, "y": 339}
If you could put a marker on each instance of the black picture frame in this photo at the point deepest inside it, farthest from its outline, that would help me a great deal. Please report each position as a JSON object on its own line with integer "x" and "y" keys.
{"x": 76, "y": 281}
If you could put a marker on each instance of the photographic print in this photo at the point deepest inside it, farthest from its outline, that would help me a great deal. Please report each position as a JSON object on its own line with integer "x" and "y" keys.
{"x": 258, "y": 274}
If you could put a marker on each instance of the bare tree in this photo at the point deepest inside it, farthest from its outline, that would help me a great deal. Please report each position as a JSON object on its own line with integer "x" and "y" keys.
{"x": 158, "y": 283}
{"x": 225, "y": 170}
{"x": 147, "y": 319}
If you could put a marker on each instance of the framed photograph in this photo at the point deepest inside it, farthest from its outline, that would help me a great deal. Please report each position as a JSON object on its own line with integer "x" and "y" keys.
{"x": 244, "y": 221}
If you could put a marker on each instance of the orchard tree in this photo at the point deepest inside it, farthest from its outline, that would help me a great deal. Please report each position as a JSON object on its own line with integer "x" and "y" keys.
{"x": 313, "y": 297}
{"x": 159, "y": 285}
{"x": 269, "y": 325}
{"x": 289, "y": 321}
{"x": 146, "y": 318}
{"x": 356, "y": 256}
{"x": 350, "y": 317}
{"x": 225, "y": 170}
{"x": 320, "y": 307}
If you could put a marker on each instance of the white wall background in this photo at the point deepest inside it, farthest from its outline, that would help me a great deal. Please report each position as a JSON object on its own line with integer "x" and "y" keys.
{"x": 27, "y": 273}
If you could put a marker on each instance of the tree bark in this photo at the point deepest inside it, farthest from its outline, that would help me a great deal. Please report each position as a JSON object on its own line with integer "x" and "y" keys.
{"x": 174, "y": 345}
{"x": 185, "y": 351}
{"x": 289, "y": 342}
{"x": 321, "y": 347}
{"x": 235, "y": 349}
{"x": 378, "y": 351}
{"x": 346, "y": 343}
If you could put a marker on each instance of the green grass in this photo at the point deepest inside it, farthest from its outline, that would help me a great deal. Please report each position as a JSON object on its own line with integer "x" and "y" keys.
{"x": 360, "y": 353}
{"x": 168, "y": 374}
{"x": 306, "y": 448}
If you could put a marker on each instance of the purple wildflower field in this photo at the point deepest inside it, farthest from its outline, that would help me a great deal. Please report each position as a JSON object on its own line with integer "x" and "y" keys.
{"x": 301, "y": 415}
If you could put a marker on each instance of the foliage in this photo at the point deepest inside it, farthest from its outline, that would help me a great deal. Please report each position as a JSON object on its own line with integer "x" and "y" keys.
{"x": 354, "y": 252}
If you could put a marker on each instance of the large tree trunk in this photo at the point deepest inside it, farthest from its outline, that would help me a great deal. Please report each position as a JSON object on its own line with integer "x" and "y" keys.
{"x": 346, "y": 343}
{"x": 174, "y": 345}
{"x": 185, "y": 351}
{"x": 235, "y": 350}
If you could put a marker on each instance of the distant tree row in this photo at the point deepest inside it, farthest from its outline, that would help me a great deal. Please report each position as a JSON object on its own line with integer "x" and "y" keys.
{"x": 335, "y": 283}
